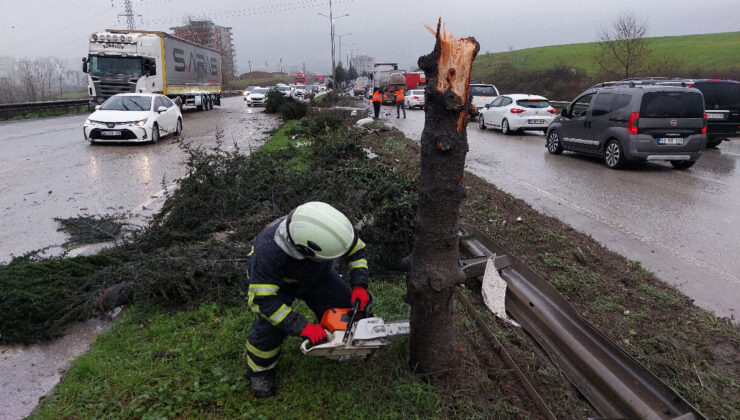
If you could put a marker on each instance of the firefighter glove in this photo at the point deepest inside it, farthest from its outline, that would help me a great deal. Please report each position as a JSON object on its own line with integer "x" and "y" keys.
{"x": 359, "y": 292}
{"x": 314, "y": 332}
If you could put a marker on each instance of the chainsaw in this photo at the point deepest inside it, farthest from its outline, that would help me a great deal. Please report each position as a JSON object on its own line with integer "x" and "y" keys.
{"x": 354, "y": 334}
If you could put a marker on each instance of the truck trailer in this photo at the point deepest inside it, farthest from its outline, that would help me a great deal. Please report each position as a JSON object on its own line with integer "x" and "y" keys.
{"x": 121, "y": 61}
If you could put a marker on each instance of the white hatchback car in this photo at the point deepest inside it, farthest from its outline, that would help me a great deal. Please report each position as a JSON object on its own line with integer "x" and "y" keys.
{"x": 415, "y": 98}
{"x": 517, "y": 112}
{"x": 133, "y": 117}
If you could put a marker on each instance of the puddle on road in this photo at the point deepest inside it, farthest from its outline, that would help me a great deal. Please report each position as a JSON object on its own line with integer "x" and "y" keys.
{"x": 30, "y": 372}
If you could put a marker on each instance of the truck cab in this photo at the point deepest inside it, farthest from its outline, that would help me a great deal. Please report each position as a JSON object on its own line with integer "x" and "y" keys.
{"x": 121, "y": 63}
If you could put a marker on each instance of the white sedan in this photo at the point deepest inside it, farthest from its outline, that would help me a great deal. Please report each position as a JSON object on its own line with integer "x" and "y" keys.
{"x": 517, "y": 112}
{"x": 133, "y": 117}
{"x": 415, "y": 98}
{"x": 257, "y": 97}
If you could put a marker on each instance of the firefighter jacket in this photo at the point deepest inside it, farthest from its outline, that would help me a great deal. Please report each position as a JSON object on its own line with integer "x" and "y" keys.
{"x": 276, "y": 272}
{"x": 399, "y": 95}
{"x": 377, "y": 97}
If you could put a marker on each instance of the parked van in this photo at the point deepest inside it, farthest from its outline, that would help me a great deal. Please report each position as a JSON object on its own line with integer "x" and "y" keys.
{"x": 633, "y": 123}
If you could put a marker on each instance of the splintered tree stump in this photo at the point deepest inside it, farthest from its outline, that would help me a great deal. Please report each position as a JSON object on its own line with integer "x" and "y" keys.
{"x": 432, "y": 268}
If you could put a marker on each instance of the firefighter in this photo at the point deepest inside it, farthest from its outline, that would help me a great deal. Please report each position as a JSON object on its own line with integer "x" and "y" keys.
{"x": 293, "y": 258}
{"x": 377, "y": 101}
{"x": 400, "y": 103}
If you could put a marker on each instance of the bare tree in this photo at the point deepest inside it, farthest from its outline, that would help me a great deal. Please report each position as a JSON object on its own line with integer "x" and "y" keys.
{"x": 27, "y": 72}
{"x": 433, "y": 269}
{"x": 622, "y": 49}
{"x": 199, "y": 31}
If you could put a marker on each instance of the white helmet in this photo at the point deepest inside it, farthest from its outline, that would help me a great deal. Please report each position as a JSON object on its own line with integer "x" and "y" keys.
{"x": 320, "y": 231}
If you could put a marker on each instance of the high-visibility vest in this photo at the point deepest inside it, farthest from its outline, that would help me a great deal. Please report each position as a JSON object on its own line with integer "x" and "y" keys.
{"x": 399, "y": 95}
{"x": 377, "y": 97}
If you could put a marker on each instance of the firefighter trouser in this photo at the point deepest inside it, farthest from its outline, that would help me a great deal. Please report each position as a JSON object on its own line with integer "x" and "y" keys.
{"x": 264, "y": 340}
{"x": 400, "y": 105}
{"x": 376, "y": 107}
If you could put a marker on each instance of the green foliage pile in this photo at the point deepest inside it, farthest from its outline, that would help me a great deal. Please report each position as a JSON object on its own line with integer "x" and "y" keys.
{"x": 194, "y": 249}
{"x": 288, "y": 107}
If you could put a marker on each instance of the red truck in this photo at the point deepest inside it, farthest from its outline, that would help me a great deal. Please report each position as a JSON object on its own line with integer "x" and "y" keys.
{"x": 415, "y": 80}
{"x": 300, "y": 79}
{"x": 319, "y": 79}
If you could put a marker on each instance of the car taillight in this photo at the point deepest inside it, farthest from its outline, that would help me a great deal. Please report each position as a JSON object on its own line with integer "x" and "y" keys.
{"x": 632, "y": 124}
{"x": 414, "y": 97}
{"x": 704, "y": 127}
{"x": 715, "y": 80}
{"x": 552, "y": 111}
{"x": 516, "y": 110}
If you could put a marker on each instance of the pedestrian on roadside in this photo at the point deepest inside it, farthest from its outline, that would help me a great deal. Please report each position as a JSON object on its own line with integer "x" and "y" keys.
{"x": 377, "y": 100}
{"x": 293, "y": 258}
{"x": 400, "y": 103}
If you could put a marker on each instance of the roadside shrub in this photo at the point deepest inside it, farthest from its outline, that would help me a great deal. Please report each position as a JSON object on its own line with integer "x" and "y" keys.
{"x": 275, "y": 100}
{"x": 293, "y": 110}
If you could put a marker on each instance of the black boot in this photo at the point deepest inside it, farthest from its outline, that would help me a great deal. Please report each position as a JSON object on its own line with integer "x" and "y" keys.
{"x": 263, "y": 386}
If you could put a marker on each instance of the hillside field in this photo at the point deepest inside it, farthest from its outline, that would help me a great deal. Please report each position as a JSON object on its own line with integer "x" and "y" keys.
{"x": 720, "y": 51}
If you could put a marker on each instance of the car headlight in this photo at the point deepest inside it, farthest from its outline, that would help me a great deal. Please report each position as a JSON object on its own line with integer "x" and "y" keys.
{"x": 140, "y": 123}
{"x": 88, "y": 122}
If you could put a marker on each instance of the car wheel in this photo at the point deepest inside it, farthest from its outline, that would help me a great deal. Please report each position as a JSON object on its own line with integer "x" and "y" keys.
{"x": 178, "y": 127}
{"x": 553, "y": 144}
{"x": 714, "y": 142}
{"x": 683, "y": 164}
{"x": 613, "y": 155}
{"x": 505, "y": 130}
{"x": 481, "y": 123}
{"x": 155, "y": 133}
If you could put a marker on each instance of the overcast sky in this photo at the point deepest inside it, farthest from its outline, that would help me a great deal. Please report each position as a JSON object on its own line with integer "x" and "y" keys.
{"x": 390, "y": 30}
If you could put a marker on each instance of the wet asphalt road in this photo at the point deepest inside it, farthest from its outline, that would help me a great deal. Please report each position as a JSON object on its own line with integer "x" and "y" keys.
{"x": 48, "y": 170}
{"x": 682, "y": 225}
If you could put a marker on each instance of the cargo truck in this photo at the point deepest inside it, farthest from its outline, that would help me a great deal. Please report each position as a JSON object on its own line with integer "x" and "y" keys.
{"x": 121, "y": 61}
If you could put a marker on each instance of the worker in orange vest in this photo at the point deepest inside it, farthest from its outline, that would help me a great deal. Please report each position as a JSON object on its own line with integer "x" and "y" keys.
{"x": 377, "y": 100}
{"x": 400, "y": 103}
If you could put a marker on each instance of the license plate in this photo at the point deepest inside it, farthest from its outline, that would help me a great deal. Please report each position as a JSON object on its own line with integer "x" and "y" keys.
{"x": 670, "y": 140}
{"x": 535, "y": 121}
{"x": 714, "y": 116}
{"x": 110, "y": 132}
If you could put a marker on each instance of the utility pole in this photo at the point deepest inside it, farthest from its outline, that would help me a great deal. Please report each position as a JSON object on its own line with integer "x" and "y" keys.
{"x": 331, "y": 35}
{"x": 340, "y": 44}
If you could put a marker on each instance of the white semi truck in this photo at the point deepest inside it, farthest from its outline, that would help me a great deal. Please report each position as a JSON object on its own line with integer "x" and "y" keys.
{"x": 123, "y": 61}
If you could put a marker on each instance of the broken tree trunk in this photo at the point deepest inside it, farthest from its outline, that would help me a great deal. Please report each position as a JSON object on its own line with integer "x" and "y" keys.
{"x": 433, "y": 269}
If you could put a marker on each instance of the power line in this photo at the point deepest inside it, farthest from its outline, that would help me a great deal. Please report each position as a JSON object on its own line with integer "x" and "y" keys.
{"x": 261, "y": 10}
{"x": 45, "y": 36}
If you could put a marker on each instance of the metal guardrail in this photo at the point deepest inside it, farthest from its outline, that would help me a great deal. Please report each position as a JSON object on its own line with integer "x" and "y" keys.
{"x": 559, "y": 104}
{"x": 11, "y": 110}
{"x": 616, "y": 384}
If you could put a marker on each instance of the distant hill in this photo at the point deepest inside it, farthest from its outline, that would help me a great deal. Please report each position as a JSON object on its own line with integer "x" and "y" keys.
{"x": 709, "y": 52}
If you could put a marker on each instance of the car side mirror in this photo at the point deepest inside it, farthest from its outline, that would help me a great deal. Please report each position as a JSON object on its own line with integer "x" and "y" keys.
{"x": 162, "y": 109}
{"x": 488, "y": 106}
{"x": 564, "y": 112}
{"x": 84, "y": 64}
{"x": 97, "y": 107}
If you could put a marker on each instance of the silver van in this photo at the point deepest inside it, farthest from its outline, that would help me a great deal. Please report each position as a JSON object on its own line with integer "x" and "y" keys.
{"x": 633, "y": 123}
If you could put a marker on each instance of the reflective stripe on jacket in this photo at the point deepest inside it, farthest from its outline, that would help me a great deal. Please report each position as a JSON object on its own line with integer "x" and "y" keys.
{"x": 377, "y": 97}
{"x": 399, "y": 95}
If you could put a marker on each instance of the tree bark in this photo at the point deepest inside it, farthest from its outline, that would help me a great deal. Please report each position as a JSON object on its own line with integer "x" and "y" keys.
{"x": 433, "y": 269}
